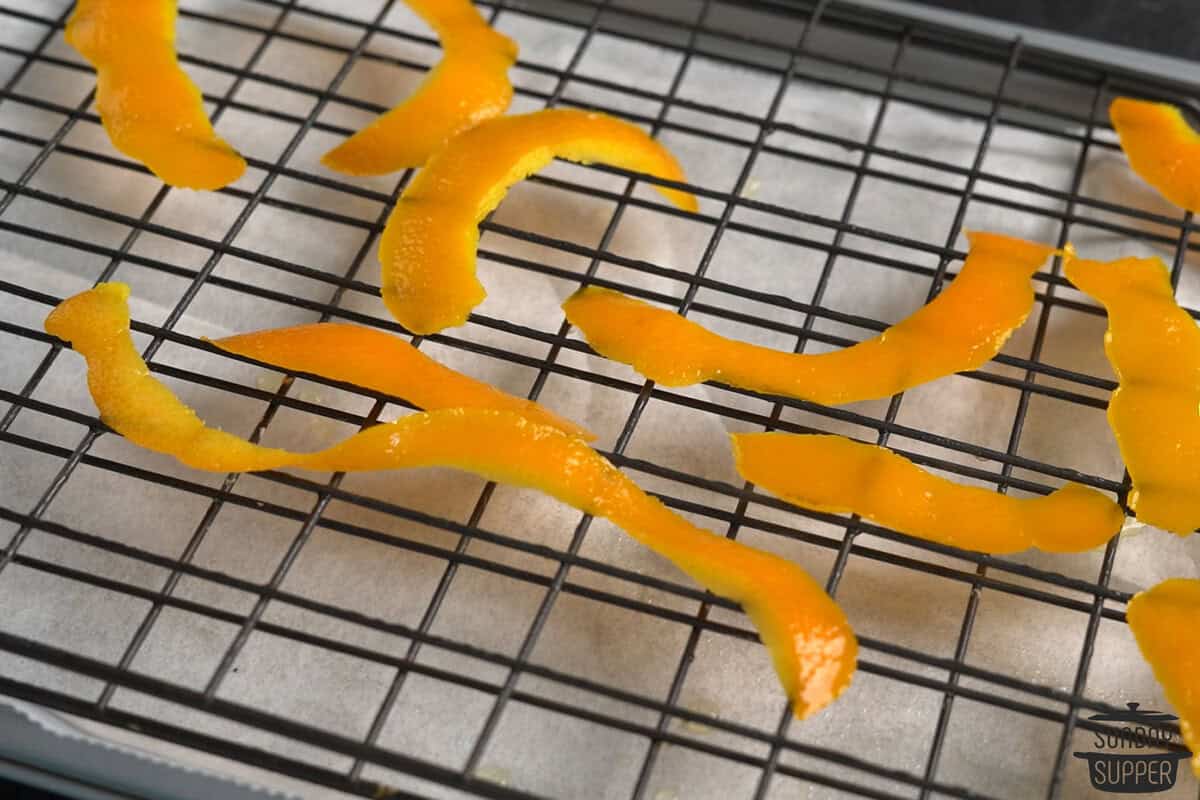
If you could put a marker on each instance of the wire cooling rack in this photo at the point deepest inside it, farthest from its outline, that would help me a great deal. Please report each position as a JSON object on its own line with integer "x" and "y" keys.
{"x": 995, "y": 83}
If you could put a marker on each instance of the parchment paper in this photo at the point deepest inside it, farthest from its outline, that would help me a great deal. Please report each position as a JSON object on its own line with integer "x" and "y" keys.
{"x": 891, "y": 723}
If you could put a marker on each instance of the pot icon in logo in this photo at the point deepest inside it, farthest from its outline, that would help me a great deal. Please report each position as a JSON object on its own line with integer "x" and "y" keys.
{"x": 1131, "y": 760}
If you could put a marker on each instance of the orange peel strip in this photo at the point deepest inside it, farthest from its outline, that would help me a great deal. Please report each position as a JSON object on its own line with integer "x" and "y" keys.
{"x": 1154, "y": 348}
{"x": 470, "y": 84}
{"x": 1161, "y": 147}
{"x": 839, "y": 475}
{"x": 961, "y": 329}
{"x": 428, "y": 246}
{"x": 383, "y": 363}
{"x": 151, "y": 109}
{"x": 811, "y": 644}
{"x": 1165, "y": 621}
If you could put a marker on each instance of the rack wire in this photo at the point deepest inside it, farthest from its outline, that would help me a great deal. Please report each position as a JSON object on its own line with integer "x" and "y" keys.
{"x": 1030, "y": 89}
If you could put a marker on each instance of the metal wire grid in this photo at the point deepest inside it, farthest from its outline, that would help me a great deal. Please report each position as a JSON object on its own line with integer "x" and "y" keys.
{"x": 692, "y": 34}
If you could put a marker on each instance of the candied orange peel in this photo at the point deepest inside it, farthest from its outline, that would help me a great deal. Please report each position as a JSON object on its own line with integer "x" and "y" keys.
{"x": 811, "y": 644}
{"x": 839, "y": 475}
{"x": 468, "y": 85}
{"x": 1162, "y": 148}
{"x": 961, "y": 329}
{"x": 427, "y": 251}
{"x": 150, "y": 108}
{"x": 1165, "y": 621}
{"x": 383, "y": 363}
{"x": 135, "y": 404}
{"x": 1154, "y": 348}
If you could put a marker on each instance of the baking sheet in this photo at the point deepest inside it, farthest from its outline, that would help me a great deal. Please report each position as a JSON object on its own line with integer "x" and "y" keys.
{"x": 887, "y": 722}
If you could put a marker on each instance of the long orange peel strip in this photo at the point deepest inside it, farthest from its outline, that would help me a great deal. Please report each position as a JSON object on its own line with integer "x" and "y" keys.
{"x": 840, "y": 475}
{"x": 961, "y": 329}
{"x": 429, "y": 243}
{"x": 1165, "y": 621}
{"x": 1161, "y": 147}
{"x": 1154, "y": 348}
{"x": 811, "y": 643}
{"x": 383, "y": 363}
{"x": 470, "y": 84}
{"x": 151, "y": 109}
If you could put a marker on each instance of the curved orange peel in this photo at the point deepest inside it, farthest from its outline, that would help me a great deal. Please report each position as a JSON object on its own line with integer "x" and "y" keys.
{"x": 961, "y": 329}
{"x": 135, "y": 404}
{"x": 383, "y": 363}
{"x": 1162, "y": 148}
{"x": 811, "y": 644}
{"x": 469, "y": 85}
{"x": 1154, "y": 348}
{"x": 151, "y": 109}
{"x": 840, "y": 475}
{"x": 1165, "y": 621}
{"x": 428, "y": 246}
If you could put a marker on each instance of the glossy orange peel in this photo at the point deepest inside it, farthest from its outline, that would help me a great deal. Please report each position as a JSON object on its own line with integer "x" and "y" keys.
{"x": 811, "y": 644}
{"x": 839, "y": 475}
{"x": 150, "y": 108}
{"x": 383, "y": 363}
{"x": 961, "y": 329}
{"x": 1154, "y": 348}
{"x": 1165, "y": 621}
{"x": 1162, "y": 148}
{"x": 135, "y": 404}
{"x": 429, "y": 243}
{"x": 470, "y": 84}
